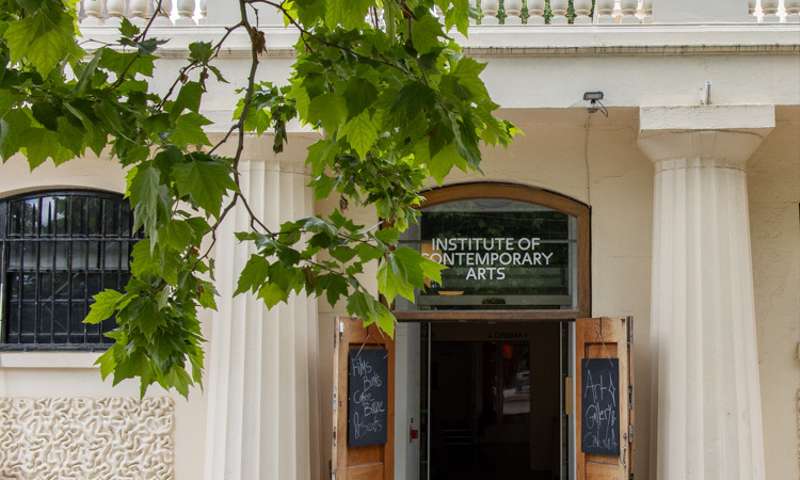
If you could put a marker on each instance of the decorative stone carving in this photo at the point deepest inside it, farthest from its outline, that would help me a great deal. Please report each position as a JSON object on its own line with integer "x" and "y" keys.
{"x": 98, "y": 438}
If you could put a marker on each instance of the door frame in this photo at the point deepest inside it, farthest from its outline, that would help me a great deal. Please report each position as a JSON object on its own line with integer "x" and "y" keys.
{"x": 539, "y": 196}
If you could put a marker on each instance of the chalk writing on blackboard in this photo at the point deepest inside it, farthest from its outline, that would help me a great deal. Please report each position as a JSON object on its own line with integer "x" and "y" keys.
{"x": 600, "y": 406}
{"x": 367, "y": 396}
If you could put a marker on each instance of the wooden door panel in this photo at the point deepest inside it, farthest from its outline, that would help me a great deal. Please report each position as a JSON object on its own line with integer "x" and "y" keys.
{"x": 374, "y": 471}
{"x": 374, "y": 462}
{"x": 602, "y": 338}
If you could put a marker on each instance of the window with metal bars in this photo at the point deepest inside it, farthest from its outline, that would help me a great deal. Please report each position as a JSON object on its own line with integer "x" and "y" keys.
{"x": 58, "y": 249}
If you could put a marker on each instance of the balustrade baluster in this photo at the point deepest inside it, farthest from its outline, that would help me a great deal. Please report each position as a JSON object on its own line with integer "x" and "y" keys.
{"x": 163, "y": 14}
{"x": 583, "y": 11}
{"x": 536, "y": 12}
{"x": 751, "y": 8}
{"x": 203, "y": 5}
{"x": 139, "y": 10}
{"x": 647, "y": 11}
{"x": 770, "y": 9}
{"x": 604, "y": 11}
{"x": 559, "y": 9}
{"x": 792, "y": 11}
{"x": 513, "y": 10}
{"x": 116, "y": 10}
{"x": 94, "y": 12}
{"x": 185, "y": 12}
{"x": 628, "y": 9}
{"x": 490, "y": 8}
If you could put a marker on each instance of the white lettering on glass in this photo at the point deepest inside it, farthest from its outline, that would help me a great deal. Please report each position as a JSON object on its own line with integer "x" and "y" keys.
{"x": 486, "y": 258}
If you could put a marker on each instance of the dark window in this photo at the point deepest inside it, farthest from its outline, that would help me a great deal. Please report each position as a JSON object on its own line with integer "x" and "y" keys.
{"x": 58, "y": 249}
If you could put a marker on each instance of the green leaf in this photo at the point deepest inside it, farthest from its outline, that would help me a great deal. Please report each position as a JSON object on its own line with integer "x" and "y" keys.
{"x": 361, "y": 133}
{"x": 105, "y": 303}
{"x": 129, "y": 63}
{"x": 200, "y": 52}
{"x": 143, "y": 190}
{"x": 391, "y": 282}
{"x": 143, "y": 311}
{"x": 371, "y": 312}
{"x": 189, "y": 130}
{"x": 107, "y": 363}
{"x": 128, "y": 29}
{"x": 87, "y": 73}
{"x": 177, "y": 235}
{"x": 253, "y": 275}
{"x": 468, "y": 73}
{"x": 388, "y": 236}
{"x": 348, "y": 13}
{"x": 330, "y": 110}
{"x": 384, "y": 319}
{"x": 432, "y": 270}
{"x": 458, "y": 16}
{"x": 367, "y": 252}
{"x": 188, "y": 98}
{"x": 335, "y": 287}
{"x": 425, "y": 33}
{"x": 44, "y": 38}
{"x": 272, "y": 294}
{"x": 444, "y": 161}
{"x": 13, "y": 129}
{"x": 205, "y": 181}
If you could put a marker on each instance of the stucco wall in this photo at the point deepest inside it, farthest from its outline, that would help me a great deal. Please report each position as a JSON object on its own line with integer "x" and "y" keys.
{"x": 774, "y": 189}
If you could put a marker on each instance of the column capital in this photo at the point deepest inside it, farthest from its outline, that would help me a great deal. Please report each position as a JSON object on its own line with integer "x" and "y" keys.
{"x": 724, "y": 136}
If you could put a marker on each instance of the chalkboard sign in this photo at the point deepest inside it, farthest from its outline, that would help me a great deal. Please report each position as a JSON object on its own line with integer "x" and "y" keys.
{"x": 367, "y": 396}
{"x": 600, "y": 406}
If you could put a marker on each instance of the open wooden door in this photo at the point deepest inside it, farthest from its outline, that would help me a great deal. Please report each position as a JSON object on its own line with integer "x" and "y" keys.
{"x": 363, "y": 403}
{"x": 604, "y": 398}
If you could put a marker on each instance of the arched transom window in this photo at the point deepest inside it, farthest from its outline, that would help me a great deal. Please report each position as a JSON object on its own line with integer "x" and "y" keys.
{"x": 507, "y": 247}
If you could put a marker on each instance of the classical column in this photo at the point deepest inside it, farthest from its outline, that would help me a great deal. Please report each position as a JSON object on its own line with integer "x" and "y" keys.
{"x": 706, "y": 395}
{"x": 262, "y": 366}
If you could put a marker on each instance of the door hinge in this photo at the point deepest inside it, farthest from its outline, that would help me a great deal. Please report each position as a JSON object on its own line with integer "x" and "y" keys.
{"x": 331, "y": 473}
{"x": 630, "y": 433}
{"x": 630, "y": 397}
{"x": 629, "y": 321}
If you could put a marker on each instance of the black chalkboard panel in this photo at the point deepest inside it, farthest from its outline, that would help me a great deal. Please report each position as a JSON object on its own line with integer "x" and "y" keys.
{"x": 600, "y": 406}
{"x": 367, "y": 396}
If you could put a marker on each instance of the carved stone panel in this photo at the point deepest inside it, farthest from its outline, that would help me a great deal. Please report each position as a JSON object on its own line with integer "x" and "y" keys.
{"x": 81, "y": 438}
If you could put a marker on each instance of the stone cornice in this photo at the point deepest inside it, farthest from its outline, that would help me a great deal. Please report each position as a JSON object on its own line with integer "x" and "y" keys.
{"x": 524, "y": 40}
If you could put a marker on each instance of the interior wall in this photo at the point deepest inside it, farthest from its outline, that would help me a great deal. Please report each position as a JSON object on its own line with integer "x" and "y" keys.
{"x": 774, "y": 190}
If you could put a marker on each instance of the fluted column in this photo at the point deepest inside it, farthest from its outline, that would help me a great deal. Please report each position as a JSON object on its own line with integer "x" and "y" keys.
{"x": 707, "y": 420}
{"x": 262, "y": 388}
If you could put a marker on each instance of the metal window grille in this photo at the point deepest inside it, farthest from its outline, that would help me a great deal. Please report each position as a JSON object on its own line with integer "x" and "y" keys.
{"x": 58, "y": 249}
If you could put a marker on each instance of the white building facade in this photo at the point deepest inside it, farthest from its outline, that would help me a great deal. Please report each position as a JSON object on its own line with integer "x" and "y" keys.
{"x": 687, "y": 182}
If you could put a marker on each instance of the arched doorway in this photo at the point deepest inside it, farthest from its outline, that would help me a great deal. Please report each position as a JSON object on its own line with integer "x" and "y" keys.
{"x": 483, "y": 358}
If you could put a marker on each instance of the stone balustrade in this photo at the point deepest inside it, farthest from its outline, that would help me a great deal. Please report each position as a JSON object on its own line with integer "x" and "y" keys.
{"x": 490, "y": 12}
{"x": 774, "y": 11}
{"x": 105, "y": 12}
{"x": 562, "y": 12}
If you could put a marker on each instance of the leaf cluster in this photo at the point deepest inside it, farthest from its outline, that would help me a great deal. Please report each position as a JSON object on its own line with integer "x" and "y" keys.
{"x": 395, "y": 100}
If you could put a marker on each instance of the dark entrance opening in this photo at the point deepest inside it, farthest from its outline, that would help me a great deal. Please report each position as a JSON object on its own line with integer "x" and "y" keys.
{"x": 495, "y": 397}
